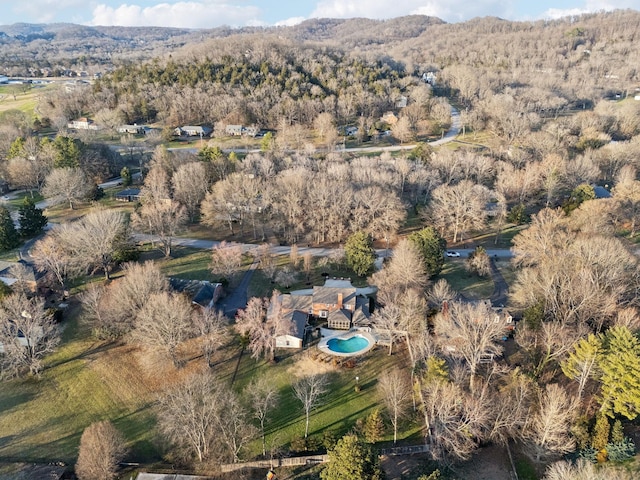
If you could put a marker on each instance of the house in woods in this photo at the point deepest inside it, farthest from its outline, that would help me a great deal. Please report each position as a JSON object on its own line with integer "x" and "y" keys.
{"x": 12, "y": 272}
{"x": 238, "y": 130}
{"x": 389, "y": 118}
{"x": 207, "y": 295}
{"x": 337, "y": 302}
{"x": 128, "y": 195}
{"x": 429, "y": 77}
{"x": 82, "y": 123}
{"x": 601, "y": 192}
{"x": 193, "y": 131}
{"x": 233, "y": 130}
{"x": 134, "y": 129}
{"x": 401, "y": 101}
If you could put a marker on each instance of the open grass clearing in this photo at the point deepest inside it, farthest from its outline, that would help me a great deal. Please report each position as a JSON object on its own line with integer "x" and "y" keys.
{"x": 469, "y": 285}
{"x": 42, "y": 419}
{"x": 341, "y": 406}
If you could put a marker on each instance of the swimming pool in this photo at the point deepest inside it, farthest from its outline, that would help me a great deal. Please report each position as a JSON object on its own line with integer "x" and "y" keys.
{"x": 348, "y": 343}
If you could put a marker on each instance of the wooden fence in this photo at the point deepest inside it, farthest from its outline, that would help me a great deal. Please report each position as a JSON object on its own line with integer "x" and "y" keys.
{"x": 423, "y": 448}
{"x": 313, "y": 459}
{"x": 276, "y": 462}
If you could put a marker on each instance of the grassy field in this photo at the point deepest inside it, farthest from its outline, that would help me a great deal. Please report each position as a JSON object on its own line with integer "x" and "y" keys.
{"x": 41, "y": 419}
{"x": 468, "y": 284}
{"x": 24, "y": 101}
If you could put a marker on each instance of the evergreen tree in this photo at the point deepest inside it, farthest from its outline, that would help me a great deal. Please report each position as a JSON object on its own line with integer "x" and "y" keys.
{"x": 620, "y": 366}
{"x": 9, "y": 237}
{"x": 17, "y": 148}
{"x": 351, "y": 460}
{"x": 125, "y": 174}
{"x": 359, "y": 253}
{"x": 68, "y": 152}
{"x": 617, "y": 432}
{"x": 31, "y": 218}
{"x": 600, "y": 436}
{"x": 373, "y": 427}
{"x": 432, "y": 247}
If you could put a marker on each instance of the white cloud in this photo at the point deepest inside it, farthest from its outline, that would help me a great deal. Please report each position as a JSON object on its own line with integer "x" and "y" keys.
{"x": 289, "y": 22}
{"x": 184, "y": 14}
{"x": 452, "y": 11}
{"x": 44, "y": 11}
{"x": 590, "y": 6}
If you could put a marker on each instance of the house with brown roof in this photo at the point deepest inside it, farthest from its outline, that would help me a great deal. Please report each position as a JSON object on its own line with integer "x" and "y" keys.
{"x": 336, "y": 301}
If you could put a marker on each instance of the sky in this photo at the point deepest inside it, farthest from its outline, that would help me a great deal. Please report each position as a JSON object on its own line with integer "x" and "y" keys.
{"x": 238, "y": 13}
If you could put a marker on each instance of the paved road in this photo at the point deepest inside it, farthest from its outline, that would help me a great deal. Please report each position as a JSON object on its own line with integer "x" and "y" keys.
{"x": 493, "y": 252}
{"x": 239, "y": 297}
{"x": 500, "y": 288}
{"x": 449, "y": 136}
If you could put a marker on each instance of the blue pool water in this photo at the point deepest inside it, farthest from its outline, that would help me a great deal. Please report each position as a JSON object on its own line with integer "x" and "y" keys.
{"x": 350, "y": 345}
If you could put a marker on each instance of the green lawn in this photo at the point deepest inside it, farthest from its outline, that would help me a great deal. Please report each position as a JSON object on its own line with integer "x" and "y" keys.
{"x": 41, "y": 420}
{"x": 341, "y": 406}
{"x": 468, "y": 284}
{"x": 184, "y": 262}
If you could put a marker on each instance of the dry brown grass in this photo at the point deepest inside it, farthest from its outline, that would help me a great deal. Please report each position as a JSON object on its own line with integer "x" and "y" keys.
{"x": 306, "y": 365}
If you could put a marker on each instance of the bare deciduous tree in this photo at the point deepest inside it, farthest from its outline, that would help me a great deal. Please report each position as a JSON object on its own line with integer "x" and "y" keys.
{"x": 309, "y": 390}
{"x": 396, "y": 392}
{"x": 459, "y": 208}
{"x": 190, "y": 185}
{"x": 66, "y": 185}
{"x": 405, "y": 270}
{"x": 94, "y": 240}
{"x": 164, "y": 322}
{"x": 235, "y": 431}
{"x": 262, "y": 397}
{"x": 455, "y": 420}
{"x": 262, "y": 321}
{"x": 51, "y": 257}
{"x": 162, "y": 218}
{"x": 102, "y": 448}
{"x": 548, "y": 430}
{"x": 213, "y": 327}
{"x": 226, "y": 259}
{"x": 188, "y": 416}
{"x": 27, "y": 334}
{"x": 470, "y": 332}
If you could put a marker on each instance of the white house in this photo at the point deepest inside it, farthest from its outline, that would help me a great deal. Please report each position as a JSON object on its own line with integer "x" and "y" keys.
{"x": 295, "y": 338}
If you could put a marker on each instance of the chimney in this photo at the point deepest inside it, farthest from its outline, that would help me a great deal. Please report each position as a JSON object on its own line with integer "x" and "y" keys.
{"x": 340, "y": 301}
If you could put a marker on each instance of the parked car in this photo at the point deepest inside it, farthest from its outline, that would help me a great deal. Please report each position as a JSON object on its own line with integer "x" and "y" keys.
{"x": 453, "y": 254}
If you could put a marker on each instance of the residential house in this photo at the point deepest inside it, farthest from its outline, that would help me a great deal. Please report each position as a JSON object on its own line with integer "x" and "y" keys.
{"x": 389, "y": 118}
{"x": 402, "y": 101}
{"x": 335, "y": 301}
{"x": 295, "y": 338}
{"x": 134, "y": 129}
{"x": 128, "y": 195}
{"x": 12, "y": 272}
{"x": 429, "y": 77}
{"x": 234, "y": 130}
{"x": 82, "y": 123}
{"x": 193, "y": 131}
{"x": 208, "y": 294}
{"x": 238, "y": 130}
